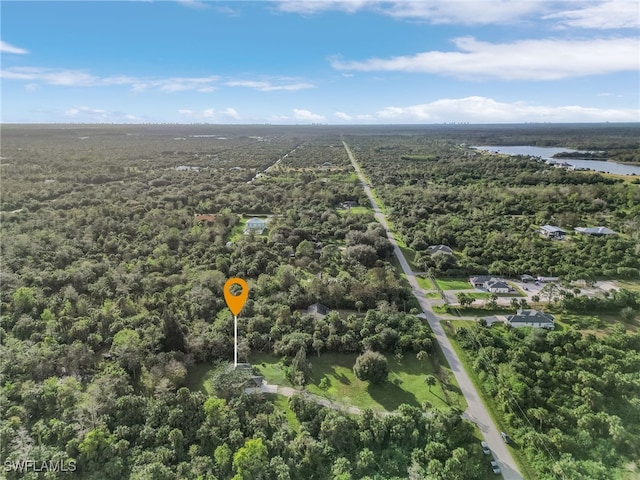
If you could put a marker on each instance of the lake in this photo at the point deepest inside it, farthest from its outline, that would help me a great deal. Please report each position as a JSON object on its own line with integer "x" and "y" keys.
{"x": 546, "y": 153}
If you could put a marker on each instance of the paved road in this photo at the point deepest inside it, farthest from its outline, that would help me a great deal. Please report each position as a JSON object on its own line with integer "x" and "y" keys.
{"x": 476, "y": 411}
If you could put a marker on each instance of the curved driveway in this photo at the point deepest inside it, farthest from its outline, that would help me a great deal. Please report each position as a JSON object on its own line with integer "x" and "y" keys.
{"x": 476, "y": 411}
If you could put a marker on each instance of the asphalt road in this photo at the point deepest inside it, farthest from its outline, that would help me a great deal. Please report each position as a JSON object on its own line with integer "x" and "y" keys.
{"x": 476, "y": 412}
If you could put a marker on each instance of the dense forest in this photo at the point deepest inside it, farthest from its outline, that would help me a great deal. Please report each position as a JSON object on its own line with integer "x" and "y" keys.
{"x": 117, "y": 241}
{"x": 490, "y": 209}
{"x": 112, "y": 291}
{"x": 572, "y": 401}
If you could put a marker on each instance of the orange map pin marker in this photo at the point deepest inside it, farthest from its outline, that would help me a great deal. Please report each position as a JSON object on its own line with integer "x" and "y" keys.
{"x": 236, "y": 302}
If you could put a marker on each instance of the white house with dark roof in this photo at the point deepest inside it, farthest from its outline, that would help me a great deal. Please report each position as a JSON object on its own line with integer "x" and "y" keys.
{"x": 596, "y": 231}
{"x": 490, "y": 283}
{"x": 551, "y": 231}
{"x": 530, "y": 318}
{"x": 497, "y": 286}
{"x": 255, "y": 225}
{"x": 479, "y": 280}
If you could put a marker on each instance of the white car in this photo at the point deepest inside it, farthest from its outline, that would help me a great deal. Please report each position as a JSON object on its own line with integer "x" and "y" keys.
{"x": 485, "y": 448}
{"x": 495, "y": 468}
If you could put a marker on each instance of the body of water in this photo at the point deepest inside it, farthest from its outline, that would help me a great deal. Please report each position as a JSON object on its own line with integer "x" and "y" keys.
{"x": 546, "y": 153}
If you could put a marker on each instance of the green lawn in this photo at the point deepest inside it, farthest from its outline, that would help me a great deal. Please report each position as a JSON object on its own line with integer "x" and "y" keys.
{"x": 628, "y": 285}
{"x": 269, "y": 366}
{"x": 425, "y": 283}
{"x": 405, "y": 385}
{"x": 282, "y": 403}
{"x": 453, "y": 284}
{"x": 359, "y": 210}
{"x": 238, "y": 230}
{"x": 196, "y": 376}
{"x": 480, "y": 295}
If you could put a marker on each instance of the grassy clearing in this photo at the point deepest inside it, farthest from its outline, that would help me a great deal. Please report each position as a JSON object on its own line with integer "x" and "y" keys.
{"x": 627, "y": 285}
{"x": 408, "y": 253}
{"x": 238, "y": 231}
{"x": 405, "y": 385}
{"x": 453, "y": 284}
{"x": 425, "y": 283}
{"x": 197, "y": 375}
{"x": 480, "y": 295}
{"x": 282, "y": 403}
{"x": 269, "y": 366}
{"x": 359, "y": 210}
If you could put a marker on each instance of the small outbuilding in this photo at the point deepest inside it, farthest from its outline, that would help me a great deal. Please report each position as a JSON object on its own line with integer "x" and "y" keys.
{"x": 440, "y": 248}
{"x": 318, "y": 310}
{"x": 596, "y": 231}
{"x": 551, "y": 231}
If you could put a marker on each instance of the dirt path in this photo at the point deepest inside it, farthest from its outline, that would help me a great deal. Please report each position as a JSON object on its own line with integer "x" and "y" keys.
{"x": 290, "y": 392}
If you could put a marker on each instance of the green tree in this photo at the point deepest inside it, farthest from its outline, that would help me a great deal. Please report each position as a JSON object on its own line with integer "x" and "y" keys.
{"x": 251, "y": 462}
{"x": 300, "y": 369}
{"x": 24, "y": 299}
{"x": 371, "y": 366}
{"x": 127, "y": 348}
{"x": 465, "y": 299}
{"x": 430, "y": 380}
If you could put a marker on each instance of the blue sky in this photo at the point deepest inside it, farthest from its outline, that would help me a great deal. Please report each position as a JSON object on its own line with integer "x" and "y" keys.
{"x": 336, "y": 62}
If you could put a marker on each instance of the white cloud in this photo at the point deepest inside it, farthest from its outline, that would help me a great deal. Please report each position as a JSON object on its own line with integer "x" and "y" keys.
{"x": 306, "y": 115}
{"x": 88, "y": 114}
{"x": 349, "y": 118}
{"x": 465, "y": 12}
{"x": 478, "y": 12}
{"x": 312, "y": 7}
{"x": 193, "y": 4}
{"x": 8, "y": 48}
{"x": 226, "y": 10}
{"x": 486, "y": 110}
{"x": 208, "y": 113}
{"x": 78, "y": 78}
{"x": 545, "y": 59}
{"x": 268, "y": 86}
{"x": 343, "y": 116}
{"x": 599, "y": 14}
{"x": 177, "y": 84}
{"x": 231, "y": 112}
{"x": 602, "y": 15}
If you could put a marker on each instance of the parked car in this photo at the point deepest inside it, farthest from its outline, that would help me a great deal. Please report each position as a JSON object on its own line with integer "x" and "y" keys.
{"x": 485, "y": 448}
{"x": 495, "y": 468}
{"x": 505, "y": 437}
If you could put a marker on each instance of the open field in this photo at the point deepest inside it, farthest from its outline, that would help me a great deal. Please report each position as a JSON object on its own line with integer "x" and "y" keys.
{"x": 453, "y": 284}
{"x": 405, "y": 384}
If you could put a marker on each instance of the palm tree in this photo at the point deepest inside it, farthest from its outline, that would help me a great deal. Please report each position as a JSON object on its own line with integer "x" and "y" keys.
{"x": 430, "y": 380}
